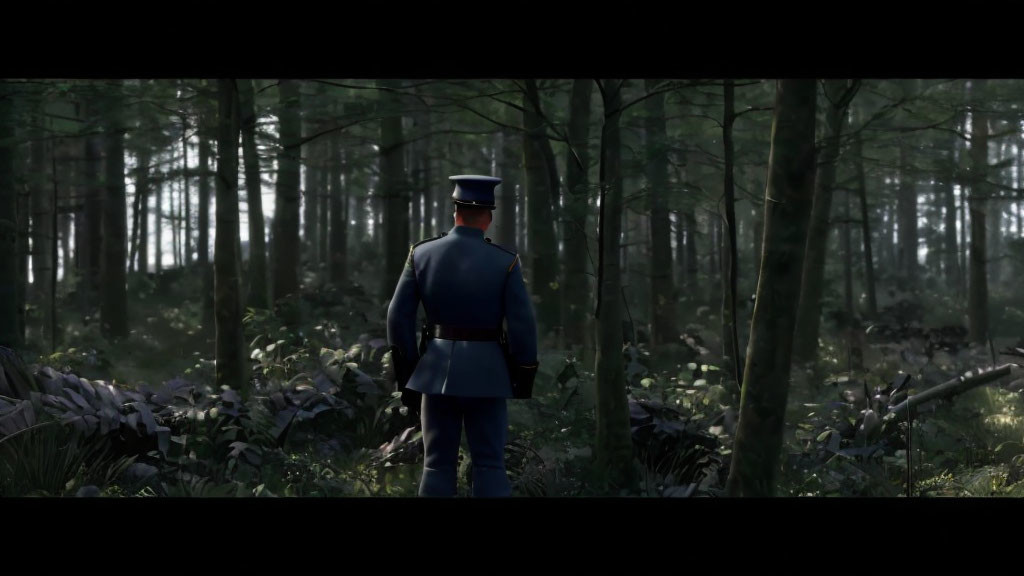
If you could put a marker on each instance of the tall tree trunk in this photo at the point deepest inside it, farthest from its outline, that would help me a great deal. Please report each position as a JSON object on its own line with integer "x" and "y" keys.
{"x": 865, "y": 227}
{"x": 231, "y": 369}
{"x": 258, "y": 294}
{"x": 541, "y": 140}
{"x": 142, "y": 193}
{"x": 663, "y": 318}
{"x": 692, "y": 262}
{"x": 175, "y": 227}
{"x": 543, "y": 251}
{"x": 323, "y": 209}
{"x": 339, "y": 224}
{"x": 994, "y": 227}
{"x": 808, "y": 318}
{"x": 186, "y": 196}
{"x": 394, "y": 188}
{"x": 203, "y": 252}
{"x": 950, "y": 247}
{"x": 415, "y": 163}
{"x": 907, "y": 221}
{"x": 93, "y": 218}
{"x": 313, "y": 158}
{"x": 64, "y": 207}
{"x": 730, "y": 337}
{"x": 511, "y": 168}
{"x": 977, "y": 311}
{"x": 158, "y": 226}
{"x": 137, "y": 204}
{"x": 360, "y": 204}
{"x": 680, "y": 253}
{"x": 42, "y": 232}
{"x": 788, "y": 199}
{"x": 576, "y": 293}
{"x": 714, "y": 253}
{"x": 24, "y": 211}
{"x": 847, "y": 246}
{"x": 962, "y": 252}
{"x": 614, "y": 448}
{"x": 10, "y": 333}
{"x": 758, "y": 241}
{"x": 285, "y": 255}
{"x": 113, "y": 311}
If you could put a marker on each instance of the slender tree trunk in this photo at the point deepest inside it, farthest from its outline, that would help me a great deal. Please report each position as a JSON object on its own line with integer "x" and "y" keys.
{"x": 142, "y": 185}
{"x": 758, "y": 241}
{"x": 231, "y": 369}
{"x": 962, "y": 252}
{"x": 808, "y": 318}
{"x": 415, "y": 163}
{"x": 613, "y": 442}
{"x": 113, "y": 311}
{"x": 258, "y": 295}
{"x": 10, "y": 333}
{"x": 977, "y": 311}
{"x": 869, "y": 263}
{"x": 310, "y": 194}
{"x": 175, "y": 226}
{"x": 186, "y": 196}
{"x": 136, "y": 215}
{"x": 24, "y": 215}
{"x": 203, "y": 252}
{"x": 543, "y": 252}
{"x": 50, "y": 314}
{"x": 339, "y": 225}
{"x": 994, "y": 227}
{"x": 323, "y": 210}
{"x": 394, "y": 189}
{"x": 285, "y": 249}
{"x": 730, "y": 337}
{"x": 439, "y": 193}
{"x": 42, "y": 232}
{"x": 360, "y": 205}
{"x": 907, "y": 221}
{"x": 714, "y": 252}
{"x": 950, "y": 247}
{"x": 63, "y": 207}
{"x": 576, "y": 294}
{"x": 511, "y": 168}
{"x": 663, "y": 322}
{"x": 678, "y": 255}
{"x": 788, "y": 199}
{"x": 93, "y": 218}
{"x": 847, "y": 245}
{"x": 692, "y": 262}
{"x": 158, "y": 225}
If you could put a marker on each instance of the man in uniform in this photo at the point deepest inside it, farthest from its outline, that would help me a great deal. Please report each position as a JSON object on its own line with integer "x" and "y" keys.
{"x": 465, "y": 366}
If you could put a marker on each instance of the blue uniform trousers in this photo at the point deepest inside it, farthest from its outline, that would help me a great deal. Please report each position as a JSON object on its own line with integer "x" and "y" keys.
{"x": 486, "y": 421}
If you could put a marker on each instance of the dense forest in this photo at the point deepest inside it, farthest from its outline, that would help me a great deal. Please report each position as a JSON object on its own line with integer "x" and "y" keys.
{"x": 742, "y": 287}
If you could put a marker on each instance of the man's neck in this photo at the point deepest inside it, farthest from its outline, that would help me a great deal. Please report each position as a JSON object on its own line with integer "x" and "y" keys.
{"x": 461, "y": 222}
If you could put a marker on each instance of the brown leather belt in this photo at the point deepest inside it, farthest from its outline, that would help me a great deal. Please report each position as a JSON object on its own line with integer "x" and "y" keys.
{"x": 470, "y": 333}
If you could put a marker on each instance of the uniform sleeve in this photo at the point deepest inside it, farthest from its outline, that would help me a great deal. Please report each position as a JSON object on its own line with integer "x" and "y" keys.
{"x": 402, "y": 321}
{"x": 522, "y": 326}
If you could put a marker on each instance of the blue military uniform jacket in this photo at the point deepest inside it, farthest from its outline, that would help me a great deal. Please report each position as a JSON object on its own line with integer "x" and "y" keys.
{"x": 462, "y": 279}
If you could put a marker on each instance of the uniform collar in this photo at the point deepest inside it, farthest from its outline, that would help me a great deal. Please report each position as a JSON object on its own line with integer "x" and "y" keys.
{"x": 468, "y": 231}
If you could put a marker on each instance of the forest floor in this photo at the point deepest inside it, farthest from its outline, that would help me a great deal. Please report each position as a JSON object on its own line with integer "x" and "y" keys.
{"x": 321, "y": 418}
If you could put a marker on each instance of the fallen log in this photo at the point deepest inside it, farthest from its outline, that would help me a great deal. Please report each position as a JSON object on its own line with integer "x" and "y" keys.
{"x": 957, "y": 385}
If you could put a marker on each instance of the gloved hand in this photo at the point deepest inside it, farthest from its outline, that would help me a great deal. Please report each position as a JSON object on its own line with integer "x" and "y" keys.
{"x": 411, "y": 399}
{"x": 522, "y": 381}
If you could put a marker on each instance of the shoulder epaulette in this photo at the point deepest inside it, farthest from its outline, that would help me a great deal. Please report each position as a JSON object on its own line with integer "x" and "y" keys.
{"x": 499, "y": 246}
{"x": 408, "y": 260}
{"x": 425, "y": 240}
